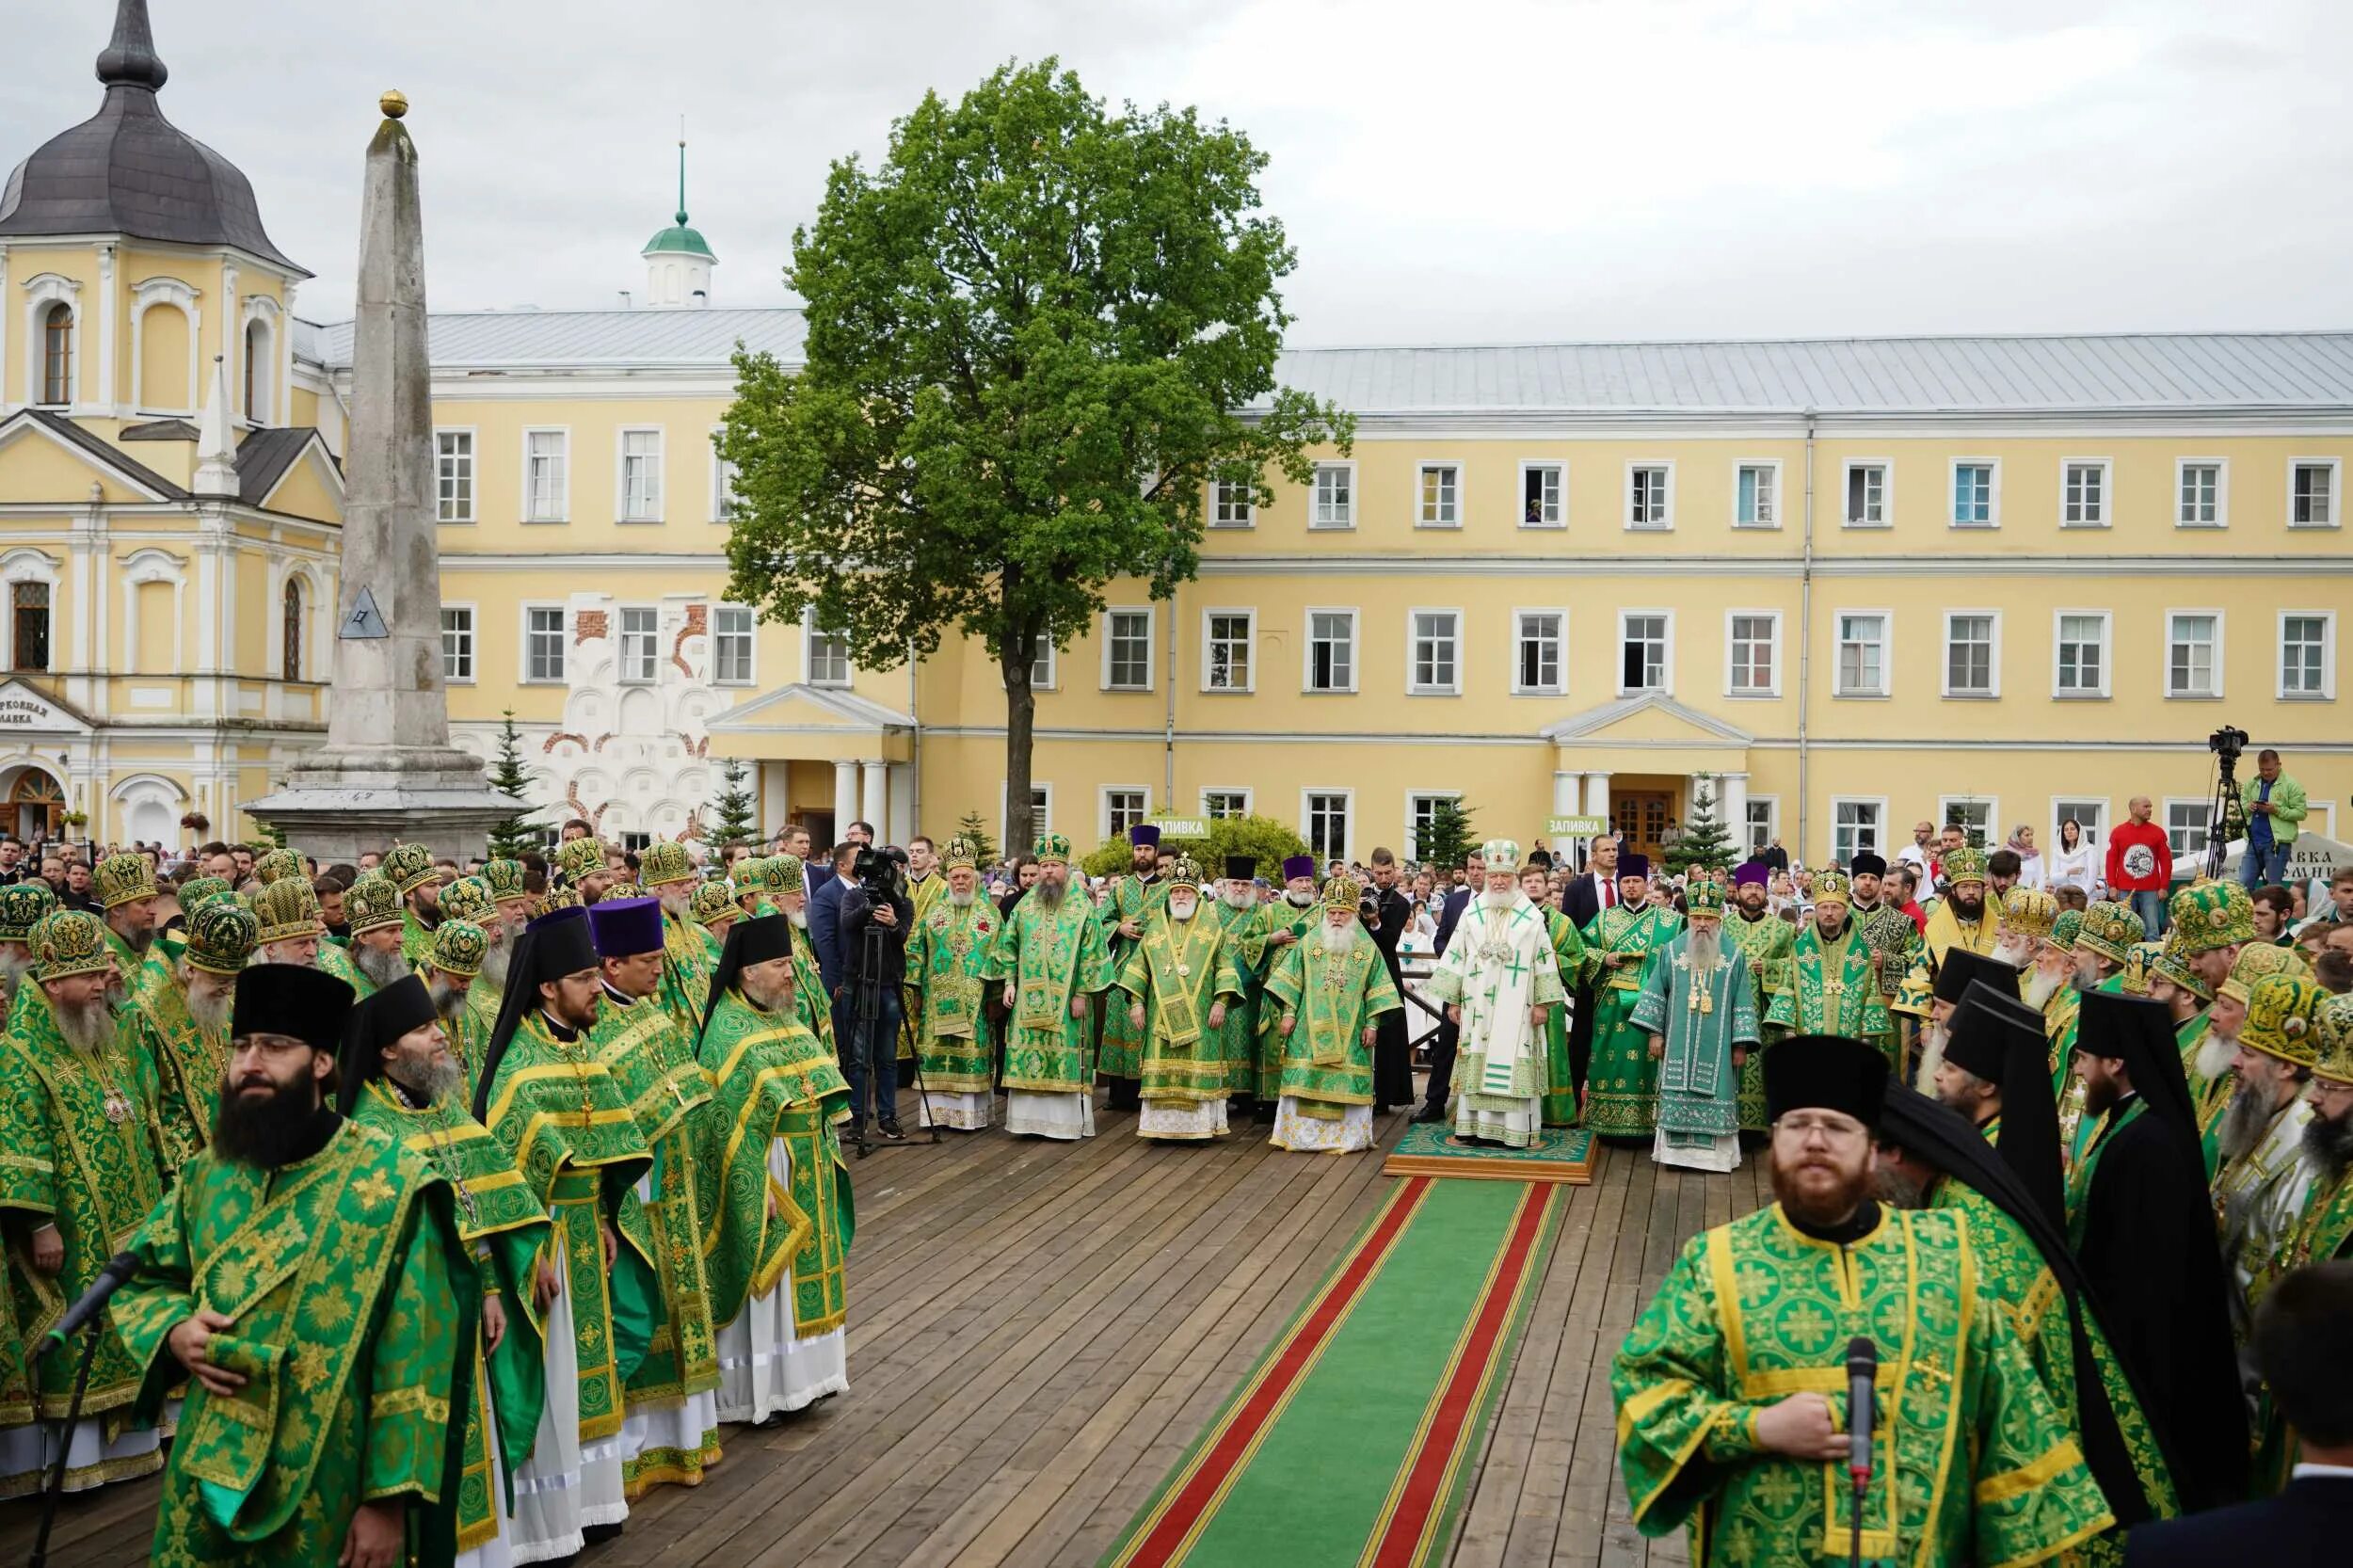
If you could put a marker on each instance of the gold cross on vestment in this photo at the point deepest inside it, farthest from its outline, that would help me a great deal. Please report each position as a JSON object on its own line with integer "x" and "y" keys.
{"x": 1806, "y": 1325}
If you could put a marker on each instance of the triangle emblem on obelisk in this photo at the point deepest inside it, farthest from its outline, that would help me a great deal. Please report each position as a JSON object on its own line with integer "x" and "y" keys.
{"x": 364, "y": 621}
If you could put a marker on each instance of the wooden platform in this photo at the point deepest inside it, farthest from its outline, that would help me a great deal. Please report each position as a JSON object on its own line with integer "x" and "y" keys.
{"x": 1036, "y": 1330}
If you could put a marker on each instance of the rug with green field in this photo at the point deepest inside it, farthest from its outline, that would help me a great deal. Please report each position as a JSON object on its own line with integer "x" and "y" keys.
{"x": 1351, "y": 1443}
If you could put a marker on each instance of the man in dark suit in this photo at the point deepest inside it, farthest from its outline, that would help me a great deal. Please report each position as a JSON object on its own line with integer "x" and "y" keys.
{"x": 1585, "y": 895}
{"x": 2302, "y": 1331}
{"x": 1392, "y": 1050}
{"x": 824, "y": 919}
{"x": 1442, "y": 1053}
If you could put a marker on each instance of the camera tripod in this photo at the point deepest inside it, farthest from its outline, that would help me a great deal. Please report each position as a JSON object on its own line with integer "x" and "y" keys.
{"x": 2224, "y": 814}
{"x": 867, "y": 1009}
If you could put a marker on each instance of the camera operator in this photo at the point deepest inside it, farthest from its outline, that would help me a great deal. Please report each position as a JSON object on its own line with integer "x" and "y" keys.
{"x": 875, "y": 903}
{"x": 2274, "y": 804}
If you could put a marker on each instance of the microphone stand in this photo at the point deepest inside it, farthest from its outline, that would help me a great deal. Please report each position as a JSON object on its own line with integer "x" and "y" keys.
{"x": 54, "y": 1486}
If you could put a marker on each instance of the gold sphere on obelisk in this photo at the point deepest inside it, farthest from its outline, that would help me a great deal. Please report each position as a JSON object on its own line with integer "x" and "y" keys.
{"x": 394, "y": 104}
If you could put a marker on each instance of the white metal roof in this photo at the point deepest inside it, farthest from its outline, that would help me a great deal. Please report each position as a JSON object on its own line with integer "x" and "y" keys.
{"x": 519, "y": 340}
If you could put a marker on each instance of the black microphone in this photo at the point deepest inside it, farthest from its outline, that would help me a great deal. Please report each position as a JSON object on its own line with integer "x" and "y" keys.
{"x": 1862, "y": 1366}
{"x": 119, "y": 1268}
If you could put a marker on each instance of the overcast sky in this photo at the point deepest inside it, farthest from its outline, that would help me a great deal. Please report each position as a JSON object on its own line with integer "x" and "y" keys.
{"x": 1449, "y": 170}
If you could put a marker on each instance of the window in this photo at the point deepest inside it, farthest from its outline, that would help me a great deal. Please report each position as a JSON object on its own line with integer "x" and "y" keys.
{"x": 1866, "y": 495}
{"x": 1224, "y": 803}
{"x": 2307, "y": 661}
{"x": 640, "y": 644}
{"x": 1973, "y": 495}
{"x": 57, "y": 359}
{"x": 1421, "y": 814}
{"x": 1649, "y": 489}
{"x": 825, "y": 655}
{"x": 1757, "y": 833}
{"x": 1863, "y": 655}
{"x": 2084, "y": 494}
{"x": 1972, "y": 653}
{"x": 543, "y": 643}
{"x": 633, "y": 842}
{"x": 2203, "y": 501}
{"x": 28, "y": 604}
{"x": 1536, "y": 653}
{"x": 1232, "y": 505}
{"x": 1042, "y": 667}
{"x": 458, "y": 642}
{"x": 1122, "y": 808}
{"x": 1974, "y": 816}
{"x": 1541, "y": 488}
{"x": 545, "y": 457}
{"x": 1331, "y": 650}
{"x": 731, "y": 645}
{"x": 2185, "y": 826}
{"x": 1855, "y": 826}
{"x": 1753, "y": 645}
{"x": 1041, "y": 808}
{"x": 2193, "y": 654}
{"x": 1642, "y": 651}
{"x": 1757, "y": 496}
{"x": 725, "y": 503}
{"x": 256, "y": 368}
{"x": 2080, "y": 653}
{"x": 1225, "y": 639}
{"x": 641, "y": 476}
{"x": 1127, "y": 650}
{"x": 2313, "y": 494}
{"x": 2089, "y": 814}
{"x": 1325, "y": 823}
{"x": 1440, "y": 491}
{"x": 454, "y": 474}
{"x": 1334, "y": 503}
{"x": 290, "y": 651}
{"x": 1437, "y": 638}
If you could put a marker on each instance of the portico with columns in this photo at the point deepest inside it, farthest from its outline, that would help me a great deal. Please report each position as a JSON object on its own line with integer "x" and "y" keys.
{"x": 1636, "y": 762}
{"x": 825, "y": 757}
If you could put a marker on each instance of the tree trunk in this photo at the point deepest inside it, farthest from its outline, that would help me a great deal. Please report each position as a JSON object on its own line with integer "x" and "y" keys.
{"x": 1018, "y": 660}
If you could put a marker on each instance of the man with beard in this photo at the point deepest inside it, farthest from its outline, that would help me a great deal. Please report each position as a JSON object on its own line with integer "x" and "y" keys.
{"x": 1699, "y": 1008}
{"x": 947, "y": 957}
{"x": 2210, "y": 921}
{"x": 1963, "y": 920}
{"x": 2213, "y": 1082}
{"x": 1980, "y": 1043}
{"x": 1707, "y": 1434}
{"x": 810, "y": 1002}
{"x": 667, "y": 874}
{"x": 307, "y": 1278}
{"x": 510, "y": 890}
{"x": 779, "y": 1218}
{"x": 84, "y": 1168}
{"x": 1833, "y": 983}
{"x": 2259, "y": 1193}
{"x": 2138, "y": 1220}
{"x": 399, "y": 1080}
{"x": 451, "y": 966}
{"x": 1764, "y": 941}
{"x": 470, "y": 902}
{"x": 1962, "y": 970}
{"x": 179, "y": 1016}
{"x": 411, "y": 869}
{"x": 672, "y": 1430}
{"x": 1866, "y": 875}
{"x": 1497, "y": 981}
{"x": 372, "y": 905}
{"x": 1568, "y": 957}
{"x": 1288, "y": 920}
{"x": 582, "y": 863}
{"x": 1621, "y": 1080}
{"x": 1178, "y": 983}
{"x": 548, "y": 1096}
{"x": 1247, "y": 924}
{"x": 125, "y": 890}
{"x": 21, "y": 907}
{"x": 1051, "y": 956}
{"x": 2325, "y": 1230}
{"x": 713, "y": 906}
{"x": 1338, "y": 981}
{"x": 1129, "y": 907}
{"x": 2103, "y": 946}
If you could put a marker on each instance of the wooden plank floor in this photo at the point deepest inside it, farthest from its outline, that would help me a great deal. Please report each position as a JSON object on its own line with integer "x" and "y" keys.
{"x": 1037, "y": 1330}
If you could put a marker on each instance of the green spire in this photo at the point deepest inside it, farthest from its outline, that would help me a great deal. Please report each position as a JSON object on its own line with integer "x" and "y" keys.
{"x": 682, "y": 182}
{"x": 679, "y": 239}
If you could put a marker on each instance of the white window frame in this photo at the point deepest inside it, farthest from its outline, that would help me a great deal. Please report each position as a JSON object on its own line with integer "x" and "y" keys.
{"x": 1887, "y": 653}
{"x": 1315, "y": 493}
{"x": 2095, "y": 834}
{"x": 1878, "y": 802}
{"x": 620, "y": 645}
{"x": 2164, "y": 672}
{"x": 1249, "y": 513}
{"x": 1666, "y": 522}
{"x": 1103, "y": 807}
{"x": 1520, "y": 495}
{"x": 1775, "y": 689}
{"x": 721, "y": 472}
{"x": 809, "y": 656}
{"x": 2222, "y": 466}
{"x": 1779, "y": 509}
{"x": 2201, "y": 804}
{"x": 1994, "y": 658}
{"x": 2106, "y": 467}
{"x": 1413, "y": 650}
{"x": 2320, "y": 816}
{"x": 1410, "y": 827}
{"x": 1887, "y": 491}
{"x": 1772, "y": 823}
{"x": 751, "y": 638}
{"x": 1041, "y": 820}
{"x": 1249, "y": 802}
{"x": 1995, "y": 837}
{"x": 2327, "y": 692}
{"x": 474, "y": 643}
{"x": 1348, "y": 824}
{"x": 2336, "y": 494}
{"x": 1151, "y": 645}
{"x": 1307, "y": 650}
{"x": 562, "y": 643}
{"x": 1560, "y": 653}
{"x": 1992, "y": 492}
{"x": 474, "y": 472}
{"x": 1053, "y": 669}
{"x": 620, "y": 473}
{"x": 563, "y": 510}
{"x": 1667, "y": 655}
{"x": 2107, "y": 655}
{"x": 1462, "y": 492}
{"x": 1250, "y": 650}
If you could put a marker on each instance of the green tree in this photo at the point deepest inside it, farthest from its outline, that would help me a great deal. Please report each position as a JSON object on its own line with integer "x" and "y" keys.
{"x": 509, "y": 778}
{"x": 733, "y": 817}
{"x": 975, "y": 832}
{"x": 1447, "y": 837}
{"x": 1037, "y": 331}
{"x": 1705, "y": 845}
{"x": 1263, "y": 838}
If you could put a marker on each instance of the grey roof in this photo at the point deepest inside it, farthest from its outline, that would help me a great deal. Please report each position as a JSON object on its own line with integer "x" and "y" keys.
{"x": 105, "y": 451}
{"x": 128, "y": 171}
{"x": 264, "y": 458}
{"x": 493, "y": 340}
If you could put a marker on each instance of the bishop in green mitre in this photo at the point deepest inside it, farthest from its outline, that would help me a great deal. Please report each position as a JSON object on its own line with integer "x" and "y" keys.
{"x": 780, "y": 1216}
{"x": 1330, "y": 991}
{"x": 1621, "y": 1085}
{"x": 473, "y": 1012}
{"x": 1284, "y": 924}
{"x": 1697, "y": 1005}
{"x": 372, "y": 911}
{"x": 1175, "y": 988}
{"x": 81, "y": 1165}
{"x": 1731, "y": 1388}
{"x": 411, "y": 869}
{"x": 124, "y": 886}
{"x": 1051, "y": 958}
{"x": 179, "y": 1018}
{"x": 1568, "y": 955}
{"x": 1248, "y": 924}
{"x": 1833, "y": 976}
{"x": 666, "y": 872}
{"x": 782, "y": 889}
{"x": 399, "y": 1077}
{"x": 306, "y": 1283}
{"x": 947, "y": 960}
{"x": 21, "y": 907}
{"x": 1763, "y": 940}
{"x": 1128, "y": 909}
{"x": 548, "y": 1095}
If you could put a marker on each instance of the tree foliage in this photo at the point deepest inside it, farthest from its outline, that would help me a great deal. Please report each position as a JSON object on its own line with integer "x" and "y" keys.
{"x": 1447, "y": 837}
{"x": 1033, "y": 331}
{"x": 1706, "y": 843}
{"x": 734, "y": 818}
{"x": 1263, "y": 838}
{"x": 509, "y": 778}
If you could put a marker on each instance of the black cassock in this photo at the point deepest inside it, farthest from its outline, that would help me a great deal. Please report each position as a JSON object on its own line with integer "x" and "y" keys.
{"x": 1392, "y": 1056}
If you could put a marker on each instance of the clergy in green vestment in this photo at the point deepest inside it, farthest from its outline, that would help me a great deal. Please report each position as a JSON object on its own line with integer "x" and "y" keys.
{"x": 125, "y": 886}
{"x": 1177, "y": 986}
{"x": 1731, "y": 1388}
{"x": 2176, "y": 985}
{"x": 1568, "y": 955}
{"x": 452, "y": 967}
{"x": 179, "y": 1016}
{"x": 306, "y": 1283}
{"x": 1498, "y": 982}
{"x": 1965, "y": 920}
{"x": 947, "y": 960}
{"x": 1833, "y": 979}
{"x": 714, "y": 909}
{"x": 1330, "y": 992}
{"x": 666, "y": 872}
{"x": 1763, "y": 940}
{"x": 1247, "y": 923}
{"x": 672, "y": 1429}
{"x": 411, "y": 869}
{"x": 1129, "y": 906}
{"x": 1698, "y": 1006}
{"x": 21, "y": 907}
{"x": 1621, "y": 1085}
{"x": 778, "y": 888}
{"x": 399, "y": 1077}
{"x": 1284, "y": 924}
{"x": 1052, "y": 961}
{"x": 372, "y": 910}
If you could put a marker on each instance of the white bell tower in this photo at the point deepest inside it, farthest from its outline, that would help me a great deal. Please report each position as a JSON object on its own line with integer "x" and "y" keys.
{"x": 679, "y": 260}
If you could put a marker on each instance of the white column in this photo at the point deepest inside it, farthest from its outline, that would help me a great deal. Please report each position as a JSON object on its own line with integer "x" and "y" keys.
{"x": 106, "y": 313}
{"x": 776, "y": 796}
{"x": 844, "y": 798}
{"x": 902, "y": 825}
{"x": 284, "y": 373}
{"x": 1731, "y": 807}
{"x": 1565, "y": 794}
{"x": 1597, "y": 795}
{"x": 8, "y": 304}
{"x": 873, "y": 807}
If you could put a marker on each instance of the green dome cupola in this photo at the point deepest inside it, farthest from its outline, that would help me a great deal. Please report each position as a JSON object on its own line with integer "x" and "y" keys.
{"x": 679, "y": 260}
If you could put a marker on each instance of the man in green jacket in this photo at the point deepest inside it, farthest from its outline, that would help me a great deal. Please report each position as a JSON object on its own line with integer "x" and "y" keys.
{"x": 2275, "y": 806}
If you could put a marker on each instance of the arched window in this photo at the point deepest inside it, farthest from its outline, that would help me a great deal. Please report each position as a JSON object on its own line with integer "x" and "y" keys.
{"x": 294, "y": 629}
{"x": 57, "y": 363}
{"x": 257, "y": 372}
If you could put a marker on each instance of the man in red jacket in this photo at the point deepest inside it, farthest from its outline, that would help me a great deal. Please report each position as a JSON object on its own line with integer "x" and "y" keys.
{"x": 2140, "y": 867}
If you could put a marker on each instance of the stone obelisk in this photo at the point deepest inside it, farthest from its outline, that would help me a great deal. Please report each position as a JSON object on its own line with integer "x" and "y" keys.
{"x": 388, "y": 770}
